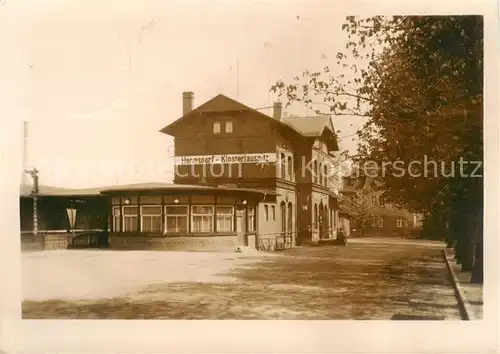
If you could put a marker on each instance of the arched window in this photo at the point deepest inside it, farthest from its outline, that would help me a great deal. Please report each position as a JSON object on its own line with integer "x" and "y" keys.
{"x": 290, "y": 218}
{"x": 315, "y": 172}
{"x": 315, "y": 216}
{"x": 282, "y": 166}
{"x": 320, "y": 173}
{"x": 283, "y": 216}
{"x": 290, "y": 167}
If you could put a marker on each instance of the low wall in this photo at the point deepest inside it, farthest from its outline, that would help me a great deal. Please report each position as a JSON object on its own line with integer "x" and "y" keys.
{"x": 41, "y": 242}
{"x": 174, "y": 243}
{"x": 57, "y": 241}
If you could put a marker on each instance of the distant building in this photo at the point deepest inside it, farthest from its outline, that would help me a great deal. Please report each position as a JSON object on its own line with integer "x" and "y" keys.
{"x": 381, "y": 217}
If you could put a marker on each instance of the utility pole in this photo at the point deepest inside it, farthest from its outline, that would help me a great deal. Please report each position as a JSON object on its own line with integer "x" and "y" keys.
{"x": 34, "y": 193}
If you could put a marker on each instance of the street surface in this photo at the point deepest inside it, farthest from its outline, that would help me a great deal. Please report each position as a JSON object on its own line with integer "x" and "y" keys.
{"x": 369, "y": 279}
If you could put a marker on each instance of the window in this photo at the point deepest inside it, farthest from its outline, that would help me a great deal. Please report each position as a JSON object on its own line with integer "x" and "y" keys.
{"x": 151, "y": 218}
{"x": 273, "y": 209}
{"x": 315, "y": 172}
{"x": 382, "y": 201}
{"x": 229, "y": 126}
{"x": 266, "y": 212}
{"x": 225, "y": 218}
{"x": 202, "y": 218}
{"x": 176, "y": 219}
{"x": 325, "y": 175}
{"x": 290, "y": 167}
{"x": 283, "y": 217}
{"x": 116, "y": 219}
{"x": 377, "y": 221}
{"x": 375, "y": 201}
{"x": 315, "y": 216}
{"x": 400, "y": 222}
{"x": 251, "y": 219}
{"x": 216, "y": 127}
{"x": 130, "y": 218}
{"x": 282, "y": 166}
{"x": 290, "y": 218}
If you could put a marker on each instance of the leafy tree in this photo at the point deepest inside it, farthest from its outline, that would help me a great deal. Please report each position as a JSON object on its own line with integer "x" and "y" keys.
{"x": 362, "y": 209}
{"x": 419, "y": 80}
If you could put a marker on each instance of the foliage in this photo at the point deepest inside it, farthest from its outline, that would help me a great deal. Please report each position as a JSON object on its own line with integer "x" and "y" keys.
{"x": 434, "y": 226}
{"x": 419, "y": 79}
{"x": 421, "y": 88}
{"x": 362, "y": 209}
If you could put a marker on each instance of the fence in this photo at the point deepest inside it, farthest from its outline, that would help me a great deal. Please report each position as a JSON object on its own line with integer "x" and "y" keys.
{"x": 276, "y": 241}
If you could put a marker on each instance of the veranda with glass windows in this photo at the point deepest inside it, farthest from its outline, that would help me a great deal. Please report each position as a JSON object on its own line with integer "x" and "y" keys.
{"x": 179, "y": 211}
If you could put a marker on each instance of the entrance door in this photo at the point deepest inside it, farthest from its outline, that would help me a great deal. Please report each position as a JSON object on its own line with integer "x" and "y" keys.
{"x": 240, "y": 227}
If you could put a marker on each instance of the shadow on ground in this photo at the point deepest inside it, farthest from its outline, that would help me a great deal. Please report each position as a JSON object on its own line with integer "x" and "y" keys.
{"x": 327, "y": 282}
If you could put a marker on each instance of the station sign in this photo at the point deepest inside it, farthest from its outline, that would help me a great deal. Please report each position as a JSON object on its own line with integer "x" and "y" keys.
{"x": 260, "y": 158}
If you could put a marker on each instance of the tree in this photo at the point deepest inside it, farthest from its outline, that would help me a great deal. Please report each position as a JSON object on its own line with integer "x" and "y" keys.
{"x": 419, "y": 80}
{"x": 362, "y": 209}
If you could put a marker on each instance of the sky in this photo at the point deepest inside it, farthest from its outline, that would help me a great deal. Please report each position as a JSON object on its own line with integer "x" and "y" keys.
{"x": 96, "y": 80}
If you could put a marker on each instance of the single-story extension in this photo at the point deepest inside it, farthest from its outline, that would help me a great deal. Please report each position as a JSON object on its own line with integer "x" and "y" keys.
{"x": 143, "y": 216}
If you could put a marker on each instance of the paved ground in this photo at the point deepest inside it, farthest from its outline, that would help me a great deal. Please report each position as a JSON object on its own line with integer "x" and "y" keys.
{"x": 368, "y": 279}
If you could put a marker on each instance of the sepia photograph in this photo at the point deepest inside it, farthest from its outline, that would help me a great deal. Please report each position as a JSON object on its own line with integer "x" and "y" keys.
{"x": 250, "y": 160}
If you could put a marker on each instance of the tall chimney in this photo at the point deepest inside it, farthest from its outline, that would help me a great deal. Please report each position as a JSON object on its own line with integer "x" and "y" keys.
{"x": 187, "y": 102}
{"x": 277, "y": 110}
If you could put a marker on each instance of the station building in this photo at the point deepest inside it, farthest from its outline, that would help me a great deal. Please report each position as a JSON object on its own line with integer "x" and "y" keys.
{"x": 242, "y": 179}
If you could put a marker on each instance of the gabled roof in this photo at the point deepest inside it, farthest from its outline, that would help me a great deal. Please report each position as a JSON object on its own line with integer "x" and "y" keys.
{"x": 313, "y": 127}
{"x": 222, "y": 103}
{"x": 309, "y": 126}
{"x": 346, "y": 206}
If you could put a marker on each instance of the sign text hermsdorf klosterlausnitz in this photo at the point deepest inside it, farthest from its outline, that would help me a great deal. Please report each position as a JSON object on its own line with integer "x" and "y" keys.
{"x": 226, "y": 159}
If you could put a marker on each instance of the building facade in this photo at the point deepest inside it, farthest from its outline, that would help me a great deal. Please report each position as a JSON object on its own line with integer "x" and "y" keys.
{"x": 242, "y": 179}
{"x": 225, "y": 143}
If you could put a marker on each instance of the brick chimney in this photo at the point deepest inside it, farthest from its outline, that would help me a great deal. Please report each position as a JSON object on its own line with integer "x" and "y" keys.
{"x": 187, "y": 102}
{"x": 277, "y": 110}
